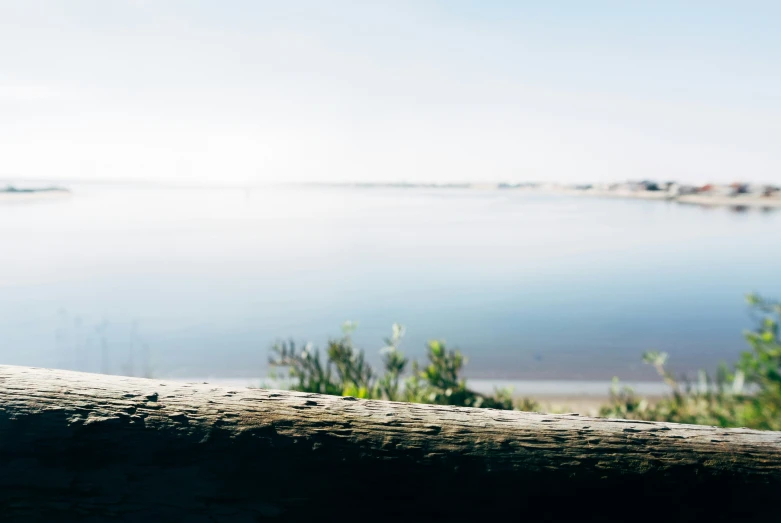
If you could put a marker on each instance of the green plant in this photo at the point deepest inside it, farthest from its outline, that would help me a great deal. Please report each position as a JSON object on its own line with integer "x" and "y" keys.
{"x": 439, "y": 382}
{"x": 760, "y": 367}
{"x": 344, "y": 371}
{"x": 395, "y": 364}
{"x": 746, "y": 395}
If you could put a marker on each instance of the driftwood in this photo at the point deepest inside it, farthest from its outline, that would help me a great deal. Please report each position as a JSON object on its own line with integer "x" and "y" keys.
{"x": 86, "y": 447}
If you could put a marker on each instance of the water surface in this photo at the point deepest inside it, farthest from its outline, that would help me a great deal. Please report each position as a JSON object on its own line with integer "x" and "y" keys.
{"x": 199, "y": 282}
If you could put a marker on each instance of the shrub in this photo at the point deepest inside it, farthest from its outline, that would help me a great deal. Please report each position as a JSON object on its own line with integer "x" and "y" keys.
{"x": 344, "y": 371}
{"x": 746, "y": 395}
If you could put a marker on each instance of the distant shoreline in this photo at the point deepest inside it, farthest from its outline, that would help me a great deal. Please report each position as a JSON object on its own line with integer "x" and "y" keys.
{"x": 691, "y": 199}
{"x": 720, "y": 200}
{"x": 732, "y": 201}
{"x": 15, "y": 194}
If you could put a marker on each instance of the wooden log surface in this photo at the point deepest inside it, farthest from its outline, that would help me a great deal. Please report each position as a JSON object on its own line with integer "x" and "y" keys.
{"x": 86, "y": 447}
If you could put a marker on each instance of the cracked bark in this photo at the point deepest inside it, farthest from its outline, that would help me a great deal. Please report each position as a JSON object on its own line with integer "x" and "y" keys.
{"x": 87, "y": 447}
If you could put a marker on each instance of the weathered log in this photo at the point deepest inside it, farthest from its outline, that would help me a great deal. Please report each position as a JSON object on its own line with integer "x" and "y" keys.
{"x": 86, "y": 447}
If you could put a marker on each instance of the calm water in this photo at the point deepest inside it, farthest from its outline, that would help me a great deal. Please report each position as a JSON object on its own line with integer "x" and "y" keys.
{"x": 200, "y": 282}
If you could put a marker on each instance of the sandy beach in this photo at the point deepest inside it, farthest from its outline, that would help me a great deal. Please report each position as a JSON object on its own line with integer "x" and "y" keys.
{"x": 583, "y": 405}
{"x": 731, "y": 201}
{"x": 565, "y": 396}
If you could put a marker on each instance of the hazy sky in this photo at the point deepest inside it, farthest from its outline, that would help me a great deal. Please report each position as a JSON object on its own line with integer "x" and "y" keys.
{"x": 235, "y": 91}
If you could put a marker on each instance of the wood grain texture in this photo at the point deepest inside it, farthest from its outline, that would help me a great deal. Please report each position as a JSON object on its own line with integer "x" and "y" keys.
{"x": 87, "y": 447}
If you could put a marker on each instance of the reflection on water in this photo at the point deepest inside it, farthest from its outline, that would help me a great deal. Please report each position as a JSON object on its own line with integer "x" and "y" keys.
{"x": 200, "y": 282}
